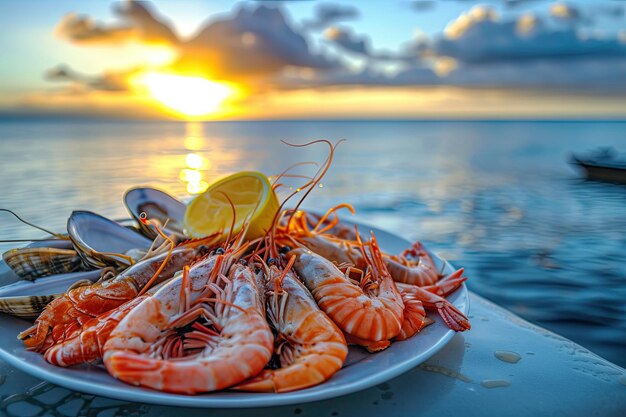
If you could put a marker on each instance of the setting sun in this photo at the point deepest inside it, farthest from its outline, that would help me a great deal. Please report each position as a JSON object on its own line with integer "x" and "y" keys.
{"x": 191, "y": 96}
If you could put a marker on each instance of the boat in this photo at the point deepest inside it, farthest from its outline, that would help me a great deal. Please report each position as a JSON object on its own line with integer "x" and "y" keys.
{"x": 602, "y": 164}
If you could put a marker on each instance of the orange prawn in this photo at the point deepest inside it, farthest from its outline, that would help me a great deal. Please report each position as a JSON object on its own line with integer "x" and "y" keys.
{"x": 309, "y": 347}
{"x": 369, "y": 311}
{"x": 194, "y": 335}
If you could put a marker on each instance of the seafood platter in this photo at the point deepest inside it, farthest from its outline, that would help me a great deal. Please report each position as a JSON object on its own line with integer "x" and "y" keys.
{"x": 234, "y": 299}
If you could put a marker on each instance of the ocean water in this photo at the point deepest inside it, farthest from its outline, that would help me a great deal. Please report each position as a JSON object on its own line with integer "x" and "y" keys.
{"x": 497, "y": 198}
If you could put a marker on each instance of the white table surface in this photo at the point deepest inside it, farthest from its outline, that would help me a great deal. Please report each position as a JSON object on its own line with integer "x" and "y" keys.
{"x": 554, "y": 377}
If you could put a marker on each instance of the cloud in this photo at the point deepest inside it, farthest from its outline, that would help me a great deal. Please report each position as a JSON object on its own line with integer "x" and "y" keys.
{"x": 291, "y": 80}
{"x": 416, "y": 75}
{"x": 139, "y": 24}
{"x": 347, "y": 40}
{"x": 423, "y": 5}
{"x": 529, "y": 52}
{"x": 109, "y": 81}
{"x": 518, "y": 3}
{"x": 416, "y": 48}
{"x": 255, "y": 41}
{"x": 583, "y": 74}
{"x": 565, "y": 11}
{"x": 257, "y": 46}
{"x": 458, "y": 27}
{"x": 344, "y": 38}
{"x": 83, "y": 29}
{"x": 328, "y": 14}
{"x": 480, "y": 36}
{"x": 616, "y": 11}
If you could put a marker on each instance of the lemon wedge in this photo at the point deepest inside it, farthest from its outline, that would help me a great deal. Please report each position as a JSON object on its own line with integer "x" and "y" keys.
{"x": 253, "y": 197}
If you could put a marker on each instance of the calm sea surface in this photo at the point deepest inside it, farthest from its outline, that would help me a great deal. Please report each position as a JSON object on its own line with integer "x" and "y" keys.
{"x": 495, "y": 197}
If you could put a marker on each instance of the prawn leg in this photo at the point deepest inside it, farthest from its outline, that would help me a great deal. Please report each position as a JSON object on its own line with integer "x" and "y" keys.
{"x": 453, "y": 318}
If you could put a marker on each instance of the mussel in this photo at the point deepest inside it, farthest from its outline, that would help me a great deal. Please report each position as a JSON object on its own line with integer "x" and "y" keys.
{"x": 101, "y": 242}
{"x": 158, "y": 206}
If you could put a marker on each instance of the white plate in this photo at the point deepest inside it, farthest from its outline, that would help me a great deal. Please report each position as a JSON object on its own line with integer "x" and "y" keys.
{"x": 362, "y": 370}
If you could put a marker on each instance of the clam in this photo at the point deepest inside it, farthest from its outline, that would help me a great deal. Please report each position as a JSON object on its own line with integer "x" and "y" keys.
{"x": 27, "y": 299}
{"x": 31, "y": 263}
{"x": 159, "y": 206}
{"x": 42, "y": 258}
{"x": 65, "y": 243}
{"x": 101, "y": 242}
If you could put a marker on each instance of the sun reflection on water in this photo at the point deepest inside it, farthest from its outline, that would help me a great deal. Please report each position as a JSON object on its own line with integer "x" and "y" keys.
{"x": 194, "y": 143}
{"x": 196, "y": 164}
{"x": 193, "y": 173}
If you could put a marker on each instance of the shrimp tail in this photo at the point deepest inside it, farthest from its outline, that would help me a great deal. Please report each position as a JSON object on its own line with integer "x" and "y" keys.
{"x": 372, "y": 346}
{"x": 448, "y": 284}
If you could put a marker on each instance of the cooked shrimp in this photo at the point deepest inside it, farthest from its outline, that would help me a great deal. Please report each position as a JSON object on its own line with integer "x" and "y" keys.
{"x": 414, "y": 266}
{"x": 86, "y": 344}
{"x": 194, "y": 335}
{"x": 369, "y": 311}
{"x": 448, "y": 284}
{"x": 309, "y": 347}
{"x": 69, "y": 312}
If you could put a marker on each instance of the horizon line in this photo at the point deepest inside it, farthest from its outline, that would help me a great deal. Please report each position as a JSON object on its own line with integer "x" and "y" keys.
{"x": 21, "y": 117}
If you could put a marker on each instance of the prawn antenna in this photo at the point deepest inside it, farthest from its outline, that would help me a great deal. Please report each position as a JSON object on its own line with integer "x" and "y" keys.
{"x": 14, "y": 214}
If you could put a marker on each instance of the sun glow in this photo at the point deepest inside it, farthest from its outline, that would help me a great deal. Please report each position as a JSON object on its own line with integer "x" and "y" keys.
{"x": 190, "y": 96}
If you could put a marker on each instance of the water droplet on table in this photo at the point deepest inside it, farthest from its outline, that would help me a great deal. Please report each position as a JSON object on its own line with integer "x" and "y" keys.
{"x": 507, "y": 356}
{"x": 444, "y": 371}
{"x": 495, "y": 383}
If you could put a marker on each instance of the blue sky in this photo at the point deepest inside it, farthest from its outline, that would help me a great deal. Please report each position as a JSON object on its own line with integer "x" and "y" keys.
{"x": 575, "y": 47}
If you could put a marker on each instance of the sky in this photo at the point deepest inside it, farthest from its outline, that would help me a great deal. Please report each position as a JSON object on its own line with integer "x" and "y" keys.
{"x": 206, "y": 60}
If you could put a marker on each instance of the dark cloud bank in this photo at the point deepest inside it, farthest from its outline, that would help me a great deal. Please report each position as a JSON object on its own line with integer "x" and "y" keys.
{"x": 258, "y": 45}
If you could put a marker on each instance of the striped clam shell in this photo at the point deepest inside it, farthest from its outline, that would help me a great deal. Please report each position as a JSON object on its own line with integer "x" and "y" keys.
{"x": 26, "y": 307}
{"x": 101, "y": 242}
{"x": 31, "y": 263}
{"x": 27, "y": 299}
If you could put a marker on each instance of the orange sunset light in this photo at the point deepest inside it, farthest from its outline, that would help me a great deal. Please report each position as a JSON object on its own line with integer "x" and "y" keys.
{"x": 186, "y": 96}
